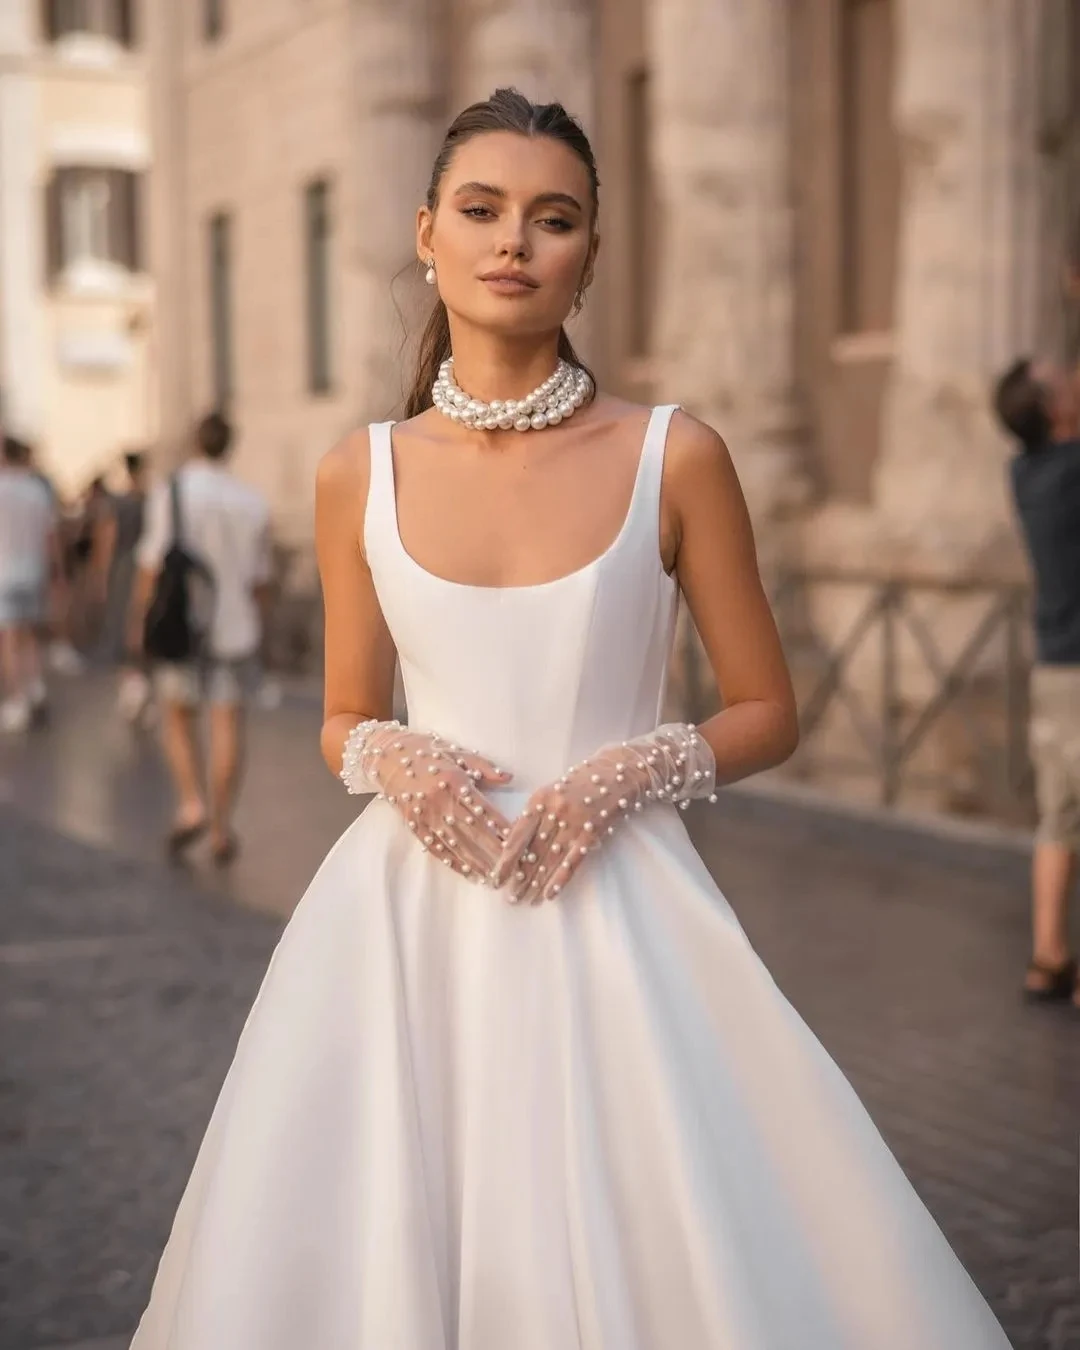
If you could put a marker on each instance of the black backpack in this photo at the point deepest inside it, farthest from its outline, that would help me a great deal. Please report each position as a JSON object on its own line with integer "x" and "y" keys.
{"x": 182, "y": 605}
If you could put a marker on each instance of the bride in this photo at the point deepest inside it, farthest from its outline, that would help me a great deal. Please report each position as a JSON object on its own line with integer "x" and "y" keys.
{"x": 515, "y": 1079}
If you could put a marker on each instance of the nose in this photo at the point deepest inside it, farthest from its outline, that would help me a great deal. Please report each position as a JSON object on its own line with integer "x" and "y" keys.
{"x": 514, "y": 237}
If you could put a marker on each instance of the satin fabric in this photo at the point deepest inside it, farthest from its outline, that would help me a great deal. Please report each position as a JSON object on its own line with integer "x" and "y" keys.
{"x": 454, "y": 1124}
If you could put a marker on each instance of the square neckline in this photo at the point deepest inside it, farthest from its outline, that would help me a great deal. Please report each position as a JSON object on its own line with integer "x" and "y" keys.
{"x": 576, "y": 574}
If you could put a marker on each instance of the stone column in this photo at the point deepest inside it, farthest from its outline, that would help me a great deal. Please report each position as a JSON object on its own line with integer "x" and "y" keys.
{"x": 542, "y": 47}
{"x": 969, "y": 96}
{"x": 398, "y": 118}
{"x": 724, "y": 333}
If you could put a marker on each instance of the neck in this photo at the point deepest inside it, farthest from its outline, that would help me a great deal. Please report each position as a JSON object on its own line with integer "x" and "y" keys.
{"x": 491, "y": 366}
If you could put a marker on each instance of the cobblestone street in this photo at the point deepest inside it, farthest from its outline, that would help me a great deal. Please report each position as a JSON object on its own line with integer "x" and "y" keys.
{"x": 124, "y": 984}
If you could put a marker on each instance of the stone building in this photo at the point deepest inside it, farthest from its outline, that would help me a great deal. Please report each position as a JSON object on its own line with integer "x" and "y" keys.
{"x": 826, "y": 225}
{"x": 76, "y": 297}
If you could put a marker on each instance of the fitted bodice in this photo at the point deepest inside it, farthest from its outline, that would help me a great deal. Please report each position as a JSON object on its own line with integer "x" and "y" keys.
{"x": 537, "y": 676}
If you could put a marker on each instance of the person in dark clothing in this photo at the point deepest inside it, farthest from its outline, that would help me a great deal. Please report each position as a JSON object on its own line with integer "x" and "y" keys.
{"x": 120, "y": 535}
{"x": 1040, "y": 406}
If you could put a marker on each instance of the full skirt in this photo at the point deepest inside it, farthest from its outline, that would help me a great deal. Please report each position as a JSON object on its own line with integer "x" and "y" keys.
{"x": 456, "y": 1124}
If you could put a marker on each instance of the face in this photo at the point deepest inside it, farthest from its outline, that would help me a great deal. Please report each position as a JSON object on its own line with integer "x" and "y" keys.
{"x": 512, "y": 234}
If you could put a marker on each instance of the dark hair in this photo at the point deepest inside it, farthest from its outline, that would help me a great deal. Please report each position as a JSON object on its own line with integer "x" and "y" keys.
{"x": 214, "y": 435}
{"x": 134, "y": 462}
{"x": 505, "y": 110}
{"x": 16, "y": 451}
{"x": 1020, "y": 401}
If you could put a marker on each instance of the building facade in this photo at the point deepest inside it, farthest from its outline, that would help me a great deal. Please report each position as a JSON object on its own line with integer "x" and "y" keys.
{"x": 77, "y": 373}
{"x": 826, "y": 226}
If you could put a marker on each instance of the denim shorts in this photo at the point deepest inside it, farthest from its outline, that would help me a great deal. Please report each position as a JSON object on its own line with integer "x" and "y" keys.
{"x": 213, "y": 681}
{"x": 21, "y": 605}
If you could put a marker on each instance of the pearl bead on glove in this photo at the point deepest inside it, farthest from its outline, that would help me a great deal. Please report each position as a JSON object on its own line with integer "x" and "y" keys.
{"x": 566, "y": 820}
{"x": 433, "y": 784}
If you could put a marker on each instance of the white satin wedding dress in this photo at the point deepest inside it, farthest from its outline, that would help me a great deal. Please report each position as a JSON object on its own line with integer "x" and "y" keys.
{"x": 456, "y": 1124}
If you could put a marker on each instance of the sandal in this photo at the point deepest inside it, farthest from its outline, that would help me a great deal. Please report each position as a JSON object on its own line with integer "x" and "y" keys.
{"x": 225, "y": 851}
{"x": 1057, "y": 982}
{"x": 181, "y": 837}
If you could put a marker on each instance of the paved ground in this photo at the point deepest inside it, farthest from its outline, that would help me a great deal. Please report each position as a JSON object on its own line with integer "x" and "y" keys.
{"x": 123, "y": 986}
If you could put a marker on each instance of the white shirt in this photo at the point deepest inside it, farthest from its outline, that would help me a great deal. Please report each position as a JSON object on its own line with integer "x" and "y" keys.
{"x": 226, "y": 524}
{"x": 27, "y": 519}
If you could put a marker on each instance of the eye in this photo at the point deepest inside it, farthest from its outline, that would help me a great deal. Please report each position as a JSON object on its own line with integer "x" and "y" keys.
{"x": 478, "y": 212}
{"x": 558, "y": 223}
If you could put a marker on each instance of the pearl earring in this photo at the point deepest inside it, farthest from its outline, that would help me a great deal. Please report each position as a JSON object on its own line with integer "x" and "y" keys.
{"x": 429, "y": 275}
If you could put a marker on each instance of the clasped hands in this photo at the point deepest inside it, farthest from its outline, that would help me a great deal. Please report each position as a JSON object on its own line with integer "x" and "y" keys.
{"x": 438, "y": 788}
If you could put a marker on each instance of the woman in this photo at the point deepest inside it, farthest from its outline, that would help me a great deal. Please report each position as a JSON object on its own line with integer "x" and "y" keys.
{"x": 121, "y": 532}
{"x": 515, "y": 1079}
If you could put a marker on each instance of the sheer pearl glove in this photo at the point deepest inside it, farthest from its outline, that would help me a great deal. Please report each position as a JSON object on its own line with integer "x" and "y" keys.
{"x": 434, "y": 785}
{"x": 566, "y": 820}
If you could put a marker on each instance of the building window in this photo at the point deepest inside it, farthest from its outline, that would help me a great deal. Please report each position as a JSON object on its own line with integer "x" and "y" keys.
{"x": 317, "y": 227}
{"x": 99, "y": 18}
{"x": 641, "y": 216}
{"x": 220, "y": 262}
{"x": 92, "y": 217}
{"x": 870, "y": 166}
{"x": 213, "y": 19}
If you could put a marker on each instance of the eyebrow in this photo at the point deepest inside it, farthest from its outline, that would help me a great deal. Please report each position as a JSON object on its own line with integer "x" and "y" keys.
{"x": 544, "y": 198}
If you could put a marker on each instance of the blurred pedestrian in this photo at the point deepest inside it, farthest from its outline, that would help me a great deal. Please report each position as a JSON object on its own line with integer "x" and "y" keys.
{"x": 88, "y": 563}
{"x": 28, "y": 555}
{"x": 225, "y": 524}
{"x": 120, "y": 538}
{"x": 54, "y": 631}
{"x": 1040, "y": 406}
{"x": 120, "y": 535}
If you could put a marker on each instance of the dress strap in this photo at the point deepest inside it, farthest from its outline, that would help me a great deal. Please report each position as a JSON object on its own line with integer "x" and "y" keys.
{"x": 651, "y": 474}
{"x": 380, "y": 511}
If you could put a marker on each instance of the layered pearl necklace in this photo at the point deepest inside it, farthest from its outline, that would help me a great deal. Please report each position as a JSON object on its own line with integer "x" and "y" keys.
{"x": 559, "y": 397}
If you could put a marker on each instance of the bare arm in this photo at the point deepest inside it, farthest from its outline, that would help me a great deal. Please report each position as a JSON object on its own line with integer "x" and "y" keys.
{"x": 716, "y": 563}
{"x": 359, "y": 652}
{"x": 141, "y": 591}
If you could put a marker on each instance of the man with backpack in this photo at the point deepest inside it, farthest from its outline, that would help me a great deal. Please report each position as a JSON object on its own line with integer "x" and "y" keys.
{"x": 198, "y": 615}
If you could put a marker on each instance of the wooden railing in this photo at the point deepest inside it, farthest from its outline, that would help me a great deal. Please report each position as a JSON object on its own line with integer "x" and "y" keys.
{"x": 949, "y": 686}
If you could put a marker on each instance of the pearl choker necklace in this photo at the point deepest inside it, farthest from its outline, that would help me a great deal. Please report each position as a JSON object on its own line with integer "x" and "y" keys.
{"x": 557, "y": 398}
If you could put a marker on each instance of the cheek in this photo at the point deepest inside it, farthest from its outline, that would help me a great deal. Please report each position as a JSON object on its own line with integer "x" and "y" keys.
{"x": 457, "y": 243}
{"x": 564, "y": 263}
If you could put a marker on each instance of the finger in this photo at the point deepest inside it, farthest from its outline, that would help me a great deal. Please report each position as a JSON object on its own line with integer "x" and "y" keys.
{"x": 527, "y": 854}
{"x": 471, "y": 802}
{"x": 548, "y": 851}
{"x": 476, "y": 842}
{"x": 575, "y": 853}
{"x": 455, "y": 845}
{"x": 482, "y": 769}
{"x": 532, "y": 871}
{"x": 516, "y": 845}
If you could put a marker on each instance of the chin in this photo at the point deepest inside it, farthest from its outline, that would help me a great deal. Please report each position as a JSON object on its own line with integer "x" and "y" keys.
{"x": 519, "y": 316}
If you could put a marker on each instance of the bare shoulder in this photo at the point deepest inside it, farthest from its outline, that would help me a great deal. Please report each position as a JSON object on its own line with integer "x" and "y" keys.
{"x": 700, "y": 486}
{"x": 695, "y": 451}
{"x": 346, "y": 465}
{"x": 343, "y": 473}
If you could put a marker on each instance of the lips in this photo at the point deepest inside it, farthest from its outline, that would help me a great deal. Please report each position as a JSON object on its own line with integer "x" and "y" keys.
{"x": 509, "y": 283}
